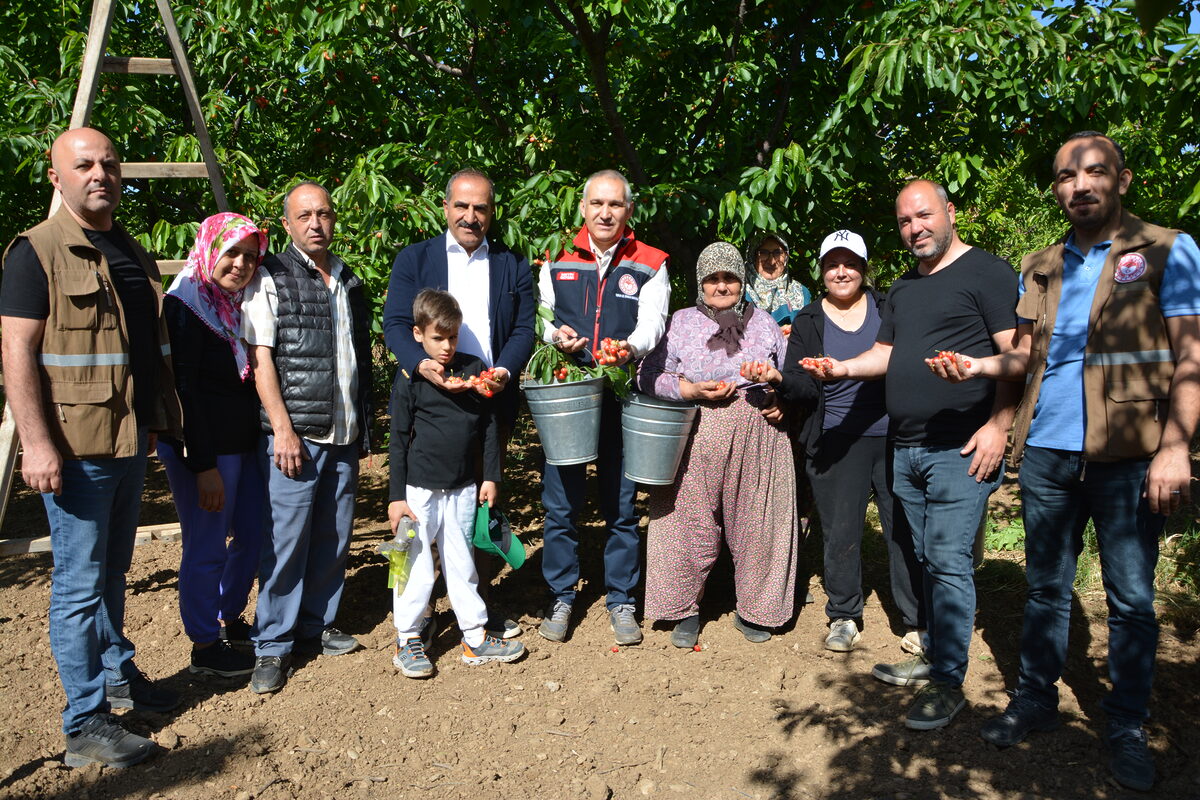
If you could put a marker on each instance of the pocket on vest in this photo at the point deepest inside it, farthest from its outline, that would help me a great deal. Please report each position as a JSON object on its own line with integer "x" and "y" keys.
{"x": 83, "y": 417}
{"x": 86, "y": 305}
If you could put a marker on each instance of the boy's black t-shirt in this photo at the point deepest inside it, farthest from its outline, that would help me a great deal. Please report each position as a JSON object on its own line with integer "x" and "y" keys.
{"x": 26, "y": 293}
{"x": 438, "y": 437}
{"x": 958, "y": 308}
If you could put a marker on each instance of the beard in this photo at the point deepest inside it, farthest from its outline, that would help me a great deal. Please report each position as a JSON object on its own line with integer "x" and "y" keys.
{"x": 934, "y": 247}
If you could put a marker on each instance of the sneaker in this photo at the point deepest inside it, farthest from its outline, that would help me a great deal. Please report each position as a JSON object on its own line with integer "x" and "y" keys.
{"x": 687, "y": 632}
{"x": 141, "y": 695}
{"x": 102, "y": 740}
{"x": 1020, "y": 718}
{"x": 843, "y": 635}
{"x": 331, "y": 642}
{"x": 270, "y": 674}
{"x": 624, "y": 624}
{"x": 753, "y": 633}
{"x": 1129, "y": 757}
{"x": 235, "y": 631}
{"x": 411, "y": 660}
{"x": 492, "y": 649}
{"x": 934, "y": 706}
{"x": 555, "y": 623}
{"x": 911, "y": 643}
{"x": 222, "y": 660}
{"x": 503, "y": 628}
{"x": 913, "y": 672}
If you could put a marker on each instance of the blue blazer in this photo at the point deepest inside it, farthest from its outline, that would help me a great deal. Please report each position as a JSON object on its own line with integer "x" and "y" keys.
{"x": 423, "y": 266}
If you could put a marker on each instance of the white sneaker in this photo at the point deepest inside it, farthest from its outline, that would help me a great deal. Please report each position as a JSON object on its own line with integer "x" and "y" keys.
{"x": 911, "y": 643}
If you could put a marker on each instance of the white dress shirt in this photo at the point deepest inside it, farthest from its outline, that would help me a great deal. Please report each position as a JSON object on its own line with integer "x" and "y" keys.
{"x": 469, "y": 279}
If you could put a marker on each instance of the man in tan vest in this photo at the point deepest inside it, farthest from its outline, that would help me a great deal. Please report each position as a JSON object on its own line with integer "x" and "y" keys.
{"x": 1110, "y": 328}
{"x": 88, "y": 378}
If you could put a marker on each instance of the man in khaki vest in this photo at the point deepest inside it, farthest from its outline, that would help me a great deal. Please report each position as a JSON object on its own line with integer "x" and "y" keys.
{"x": 88, "y": 379}
{"x": 1110, "y": 328}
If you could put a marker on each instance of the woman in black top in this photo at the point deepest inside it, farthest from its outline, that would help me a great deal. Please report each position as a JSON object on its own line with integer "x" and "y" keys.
{"x": 845, "y": 437}
{"x": 214, "y": 473}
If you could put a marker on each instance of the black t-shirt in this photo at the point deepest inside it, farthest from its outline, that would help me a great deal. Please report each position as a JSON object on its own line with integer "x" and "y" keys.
{"x": 25, "y": 292}
{"x": 958, "y": 308}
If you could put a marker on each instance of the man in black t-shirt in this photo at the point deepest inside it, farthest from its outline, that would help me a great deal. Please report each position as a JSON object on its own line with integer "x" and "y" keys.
{"x": 85, "y": 367}
{"x": 949, "y": 442}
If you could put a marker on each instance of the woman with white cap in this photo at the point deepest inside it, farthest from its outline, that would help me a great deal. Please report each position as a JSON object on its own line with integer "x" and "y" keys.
{"x": 736, "y": 481}
{"x": 845, "y": 437}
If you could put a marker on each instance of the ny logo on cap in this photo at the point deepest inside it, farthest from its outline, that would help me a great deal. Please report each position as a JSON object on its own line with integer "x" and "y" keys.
{"x": 841, "y": 236}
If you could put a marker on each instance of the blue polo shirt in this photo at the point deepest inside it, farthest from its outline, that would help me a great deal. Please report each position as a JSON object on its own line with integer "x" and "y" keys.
{"x": 1060, "y": 417}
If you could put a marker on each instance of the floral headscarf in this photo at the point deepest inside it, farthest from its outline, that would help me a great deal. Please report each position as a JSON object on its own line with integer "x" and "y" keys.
{"x": 731, "y": 323}
{"x": 780, "y": 297}
{"x": 218, "y": 309}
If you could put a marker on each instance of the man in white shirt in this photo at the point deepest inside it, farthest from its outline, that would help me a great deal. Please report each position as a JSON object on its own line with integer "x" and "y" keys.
{"x": 306, "y": 321}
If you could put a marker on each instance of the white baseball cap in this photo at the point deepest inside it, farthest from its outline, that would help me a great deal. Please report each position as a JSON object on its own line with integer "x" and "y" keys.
{"x": 847, "y": 239}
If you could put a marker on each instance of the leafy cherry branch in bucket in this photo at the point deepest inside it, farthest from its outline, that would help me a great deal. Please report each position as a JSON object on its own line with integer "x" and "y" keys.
{"x": 549, "y": 365}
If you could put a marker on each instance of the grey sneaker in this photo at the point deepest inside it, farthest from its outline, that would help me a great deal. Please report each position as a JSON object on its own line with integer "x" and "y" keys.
{"x": 843, "y": 635}
{"x": 913, "y": 672}
{"x": 270, "y": 674}
{"x": 503, "y": 628}
{"x": 1129, "y": 757}
{"x": 102, "y": 740}
{"x": 911, "y": 643}
{"x": 331, "y": 642}
{"x": 934, "y": 706}
{"x": 557, "y": 620}
{"x": 492, "y": 649}
{"x": 1018, "y": 720}
{"x": 624, "y": 625}
{"x": 411, "y": 660}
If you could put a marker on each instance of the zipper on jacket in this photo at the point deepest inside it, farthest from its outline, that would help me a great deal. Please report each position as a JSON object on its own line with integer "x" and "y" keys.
{"x": 107, "y": 291}
{"x": 62, "y": 415}
{"x": 1083, "y": 472}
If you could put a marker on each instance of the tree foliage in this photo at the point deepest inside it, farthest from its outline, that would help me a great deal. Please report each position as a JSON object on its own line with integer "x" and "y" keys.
{"x": 729, "y": 117}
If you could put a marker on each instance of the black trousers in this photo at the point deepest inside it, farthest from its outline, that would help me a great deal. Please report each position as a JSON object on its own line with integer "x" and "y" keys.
{"x": 844, "y": 469}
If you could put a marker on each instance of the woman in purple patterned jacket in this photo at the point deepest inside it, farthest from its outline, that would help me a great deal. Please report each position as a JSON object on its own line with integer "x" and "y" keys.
{"x": 736, "y": 480}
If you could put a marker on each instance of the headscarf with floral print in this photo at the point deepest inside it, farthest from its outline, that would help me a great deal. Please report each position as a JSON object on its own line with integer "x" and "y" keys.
{"x": 218, "y": 309}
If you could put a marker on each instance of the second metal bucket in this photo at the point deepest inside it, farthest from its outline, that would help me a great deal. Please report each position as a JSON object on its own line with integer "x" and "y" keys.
{"x": 655, "y": 435}
{"x": 567, "y": 416}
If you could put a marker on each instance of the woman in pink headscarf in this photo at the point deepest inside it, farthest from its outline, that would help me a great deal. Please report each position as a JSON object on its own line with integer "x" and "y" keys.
{"x": 214, "y": 472}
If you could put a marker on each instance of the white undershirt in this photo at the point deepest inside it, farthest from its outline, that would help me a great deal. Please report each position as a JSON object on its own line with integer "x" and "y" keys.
{"x": 469, "y": 280}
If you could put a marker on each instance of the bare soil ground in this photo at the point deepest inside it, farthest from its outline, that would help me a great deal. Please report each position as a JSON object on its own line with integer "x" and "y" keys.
{"x": 785, "y": 719}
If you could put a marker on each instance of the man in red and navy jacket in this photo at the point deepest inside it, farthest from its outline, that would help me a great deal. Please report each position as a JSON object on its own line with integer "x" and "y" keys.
{"x": 606, "y": 285}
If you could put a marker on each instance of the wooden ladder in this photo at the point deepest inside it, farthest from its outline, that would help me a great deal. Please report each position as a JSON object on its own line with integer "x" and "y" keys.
{"x": 95, "y": 62}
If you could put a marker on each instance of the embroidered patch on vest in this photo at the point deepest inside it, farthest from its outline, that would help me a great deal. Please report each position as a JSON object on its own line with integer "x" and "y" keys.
{"x": 1130, "y": 267}
{"x": 568, "y": 276}
{"x": 627, "y": 285}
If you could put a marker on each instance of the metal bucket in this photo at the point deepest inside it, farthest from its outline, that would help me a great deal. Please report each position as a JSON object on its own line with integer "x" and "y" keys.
{"x": 567, "y": 416}
{"x": 655, "y": 435}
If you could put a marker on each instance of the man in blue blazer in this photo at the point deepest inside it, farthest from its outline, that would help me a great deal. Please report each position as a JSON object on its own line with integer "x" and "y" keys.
{"x": 492, "y": 284}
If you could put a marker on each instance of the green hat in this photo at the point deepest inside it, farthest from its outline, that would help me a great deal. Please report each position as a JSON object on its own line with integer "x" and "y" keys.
{"x": 493, "y": 534}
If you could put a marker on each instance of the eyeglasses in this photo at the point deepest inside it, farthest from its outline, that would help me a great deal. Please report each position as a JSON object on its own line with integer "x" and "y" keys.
{"x": 772, "y": 253}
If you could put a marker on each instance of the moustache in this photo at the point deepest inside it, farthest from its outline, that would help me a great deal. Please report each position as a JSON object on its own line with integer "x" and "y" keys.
{"x": 471, "y": 226}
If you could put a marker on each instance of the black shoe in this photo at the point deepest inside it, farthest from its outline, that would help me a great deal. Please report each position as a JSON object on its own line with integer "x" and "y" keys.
{"x": 331, "y": 642}
{"x": 1129, "y": 757}
{"x": 687, "y": 632}
{"x": 102, "y": 740}
{"x": 235, "y": 631}
{"x": 221, "y": 659}
{"x": 141, "y": 695}
{"x": 1018, "y": 720}
{"x": 270, "y": 674}
{"x": 753, "y": 633}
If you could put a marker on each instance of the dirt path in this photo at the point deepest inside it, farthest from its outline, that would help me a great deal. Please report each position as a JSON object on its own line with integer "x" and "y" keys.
{"x": 785, "y": 719}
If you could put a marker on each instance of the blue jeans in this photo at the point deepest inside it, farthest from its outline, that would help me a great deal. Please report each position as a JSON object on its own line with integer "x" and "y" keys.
{"x": 214, "y": 576}
{"x": 1060, "y": 490}
{"x": 943, "y": 505}
{"x": 92, "y": 528}
{"x": 563, "y": 497}
{"x": 306, "y": 536}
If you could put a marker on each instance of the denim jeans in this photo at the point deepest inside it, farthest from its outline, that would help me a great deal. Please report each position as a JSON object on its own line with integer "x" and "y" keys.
{"x": 563, "y": 497}
{"x": 215, "y": 576}
{"x": 92, "y": 527}
{"x": 943, "y": 505}
{"x": 1060, "y": 490}
{"x": 306, "y": 537}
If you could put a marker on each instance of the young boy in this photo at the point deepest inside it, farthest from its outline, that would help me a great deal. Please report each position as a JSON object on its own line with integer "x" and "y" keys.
{"x": 438, "y": 436}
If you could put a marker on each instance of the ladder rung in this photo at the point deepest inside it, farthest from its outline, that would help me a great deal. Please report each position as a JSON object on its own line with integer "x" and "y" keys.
{"x": 170, "y": 266}
{"x": 164, "y": 169}
{"x": 140, "y": 66}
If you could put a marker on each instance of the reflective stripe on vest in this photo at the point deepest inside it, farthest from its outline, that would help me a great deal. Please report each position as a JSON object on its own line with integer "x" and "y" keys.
{"x": 1122, "y": 359}
{"x": 84, "y": 360}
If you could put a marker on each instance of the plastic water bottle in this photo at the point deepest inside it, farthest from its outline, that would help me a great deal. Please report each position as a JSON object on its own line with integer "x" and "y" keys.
{"x": 397, "y": 554}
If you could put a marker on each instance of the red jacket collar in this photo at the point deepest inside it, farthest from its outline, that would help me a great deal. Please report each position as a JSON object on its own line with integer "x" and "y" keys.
{"x": 583, "y": 241}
